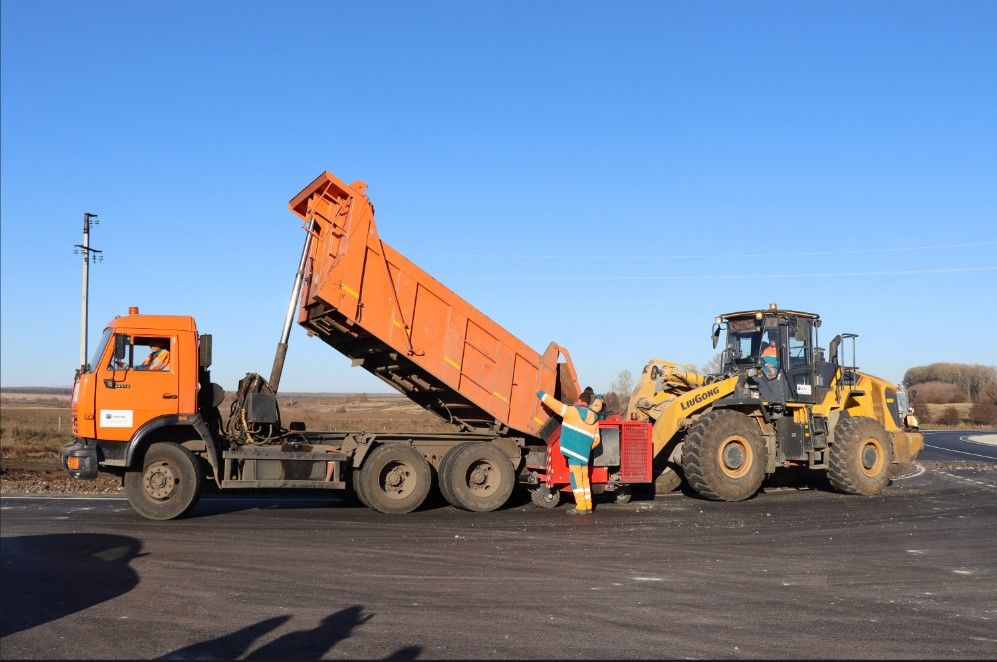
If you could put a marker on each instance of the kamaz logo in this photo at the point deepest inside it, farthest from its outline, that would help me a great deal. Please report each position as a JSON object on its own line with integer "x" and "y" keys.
{"x": 699, "y": 398}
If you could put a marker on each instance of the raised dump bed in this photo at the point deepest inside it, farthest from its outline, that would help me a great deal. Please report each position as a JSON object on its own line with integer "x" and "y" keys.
{"x": 399, "y": 323}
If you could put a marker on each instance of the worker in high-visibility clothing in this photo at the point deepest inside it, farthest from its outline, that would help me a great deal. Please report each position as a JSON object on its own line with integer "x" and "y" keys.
{"x": 159, "y": 356}
{"x": 770, "y": 358}
{"x": 579, "y": 435}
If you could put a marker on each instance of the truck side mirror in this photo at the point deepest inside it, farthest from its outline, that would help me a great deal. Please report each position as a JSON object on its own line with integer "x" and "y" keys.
{"x": 204, "y": 350}
{"x": 120, "y": 346}
{"x": 716, "y": 335}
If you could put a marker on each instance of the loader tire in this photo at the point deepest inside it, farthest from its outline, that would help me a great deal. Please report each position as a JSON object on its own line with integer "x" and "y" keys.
{"x": 724, "y": 456}
{"x": 480, "y": 477}
{"x": 168, "y": 485}
{"x": 394, "y": 479}
{"x": 859, "y": 459}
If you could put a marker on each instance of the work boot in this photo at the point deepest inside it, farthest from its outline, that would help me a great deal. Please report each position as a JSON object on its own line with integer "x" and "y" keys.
{"x": 578, "y": 512}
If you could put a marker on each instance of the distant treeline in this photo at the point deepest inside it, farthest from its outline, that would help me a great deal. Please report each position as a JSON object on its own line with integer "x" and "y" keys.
{"x": 953, "y": 383}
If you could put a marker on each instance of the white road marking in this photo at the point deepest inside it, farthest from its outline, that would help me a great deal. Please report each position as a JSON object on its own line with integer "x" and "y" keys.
{"x": 920, "y": 470}
{"x": 949, "y": 450}
{"x": 647, "y": 579}
{"x": 985, "y": 439}
{"x": 968, "y": 480}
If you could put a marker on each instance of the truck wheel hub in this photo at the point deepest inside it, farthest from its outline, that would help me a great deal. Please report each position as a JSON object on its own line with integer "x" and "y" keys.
{"x": 479, "y": 479}
{"x": 160, "y": 481}
{"x": 397, "y": 481}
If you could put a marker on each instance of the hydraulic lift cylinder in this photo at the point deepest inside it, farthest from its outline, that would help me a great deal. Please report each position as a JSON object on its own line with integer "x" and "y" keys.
{"x": 292, "y": 305}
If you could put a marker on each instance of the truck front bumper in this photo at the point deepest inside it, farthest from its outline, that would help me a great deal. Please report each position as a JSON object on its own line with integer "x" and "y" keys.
{"x": 79, "y": 460}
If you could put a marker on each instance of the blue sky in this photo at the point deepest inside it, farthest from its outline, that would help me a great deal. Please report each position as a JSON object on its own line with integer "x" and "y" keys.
{"x": 607, "y": 175}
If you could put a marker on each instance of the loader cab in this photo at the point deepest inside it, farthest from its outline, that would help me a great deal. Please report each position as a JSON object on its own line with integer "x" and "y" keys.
{"x": 776, "y": 350}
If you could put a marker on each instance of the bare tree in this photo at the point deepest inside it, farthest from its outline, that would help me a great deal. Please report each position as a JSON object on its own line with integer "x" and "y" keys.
{"x": 623, "y": 385}
{"x": 712, "y": 367}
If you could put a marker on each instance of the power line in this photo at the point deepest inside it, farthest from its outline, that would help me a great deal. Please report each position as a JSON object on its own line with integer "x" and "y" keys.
{"x": 716, "y": 256}
{"x": 842, "y": 274}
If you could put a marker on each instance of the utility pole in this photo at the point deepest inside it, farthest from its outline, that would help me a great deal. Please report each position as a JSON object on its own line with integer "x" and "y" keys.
{"x": 89, "y": 255}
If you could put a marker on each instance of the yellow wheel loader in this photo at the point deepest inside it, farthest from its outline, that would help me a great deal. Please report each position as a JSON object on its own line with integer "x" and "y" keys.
{"x": 776, "y": 402}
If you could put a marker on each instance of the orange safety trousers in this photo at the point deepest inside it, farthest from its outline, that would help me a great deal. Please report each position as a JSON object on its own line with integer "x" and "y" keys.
{"x": 581, "y": 486}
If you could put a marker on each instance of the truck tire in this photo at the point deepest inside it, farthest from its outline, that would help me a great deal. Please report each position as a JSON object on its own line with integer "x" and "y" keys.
{"x": 724, "y": 457}
{"x": 444, "y": 471}
{"x": 358, "y": 488}
{"x": 859, "y": 459}
{"x": 168, "y": 485}
{"x": 552, "y": 499}
{"x": 394, "y": 479}
{"x": 480, "y": 477}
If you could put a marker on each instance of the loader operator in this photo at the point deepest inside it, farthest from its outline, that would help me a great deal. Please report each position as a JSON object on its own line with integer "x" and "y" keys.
{"x": 579, "y": 435}
{"x": 770, "y": 358}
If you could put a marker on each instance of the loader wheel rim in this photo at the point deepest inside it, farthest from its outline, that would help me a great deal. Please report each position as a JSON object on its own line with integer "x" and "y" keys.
{"x": 735, "y": 457}
{"x": 398, "y": 480}
{"x": 482, "y": 478}
{"x": 872, "y": 457}
{"x": 161, "y": 480}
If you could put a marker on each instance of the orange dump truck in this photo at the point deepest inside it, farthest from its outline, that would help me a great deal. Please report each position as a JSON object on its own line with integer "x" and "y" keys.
{"x": 392, "y": 318}
{"x": 145, "y": 407}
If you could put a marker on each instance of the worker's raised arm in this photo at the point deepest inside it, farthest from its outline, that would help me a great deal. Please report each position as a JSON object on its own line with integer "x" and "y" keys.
{"x": 554, "y": 404}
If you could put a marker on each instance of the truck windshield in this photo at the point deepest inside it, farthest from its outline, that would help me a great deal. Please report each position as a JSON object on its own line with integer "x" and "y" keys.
{"x": 98, "y": 350}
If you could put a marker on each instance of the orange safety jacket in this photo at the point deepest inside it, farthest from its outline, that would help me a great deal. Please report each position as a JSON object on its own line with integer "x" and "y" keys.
{"x": 157, "y": 360}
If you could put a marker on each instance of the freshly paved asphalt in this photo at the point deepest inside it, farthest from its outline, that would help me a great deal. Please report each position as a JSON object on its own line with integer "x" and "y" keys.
{"x": 791, "y": 573}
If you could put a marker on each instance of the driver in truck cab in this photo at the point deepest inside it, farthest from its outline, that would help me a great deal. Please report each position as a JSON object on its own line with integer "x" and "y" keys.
{"x": 159, "y": 356}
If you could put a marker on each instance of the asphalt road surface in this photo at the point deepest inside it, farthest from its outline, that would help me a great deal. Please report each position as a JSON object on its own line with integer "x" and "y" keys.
{"x": 796, "y": 572}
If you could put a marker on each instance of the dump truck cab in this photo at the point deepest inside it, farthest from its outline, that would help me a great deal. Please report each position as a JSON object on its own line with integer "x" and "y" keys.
{"x": 146, "y": 380}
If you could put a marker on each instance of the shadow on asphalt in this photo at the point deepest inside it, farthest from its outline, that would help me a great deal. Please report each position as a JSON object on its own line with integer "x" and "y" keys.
{"x": 311, "y": 644}
{"x": 47, "y": 577}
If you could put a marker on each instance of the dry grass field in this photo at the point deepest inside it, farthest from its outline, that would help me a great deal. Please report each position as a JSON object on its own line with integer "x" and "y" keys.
{"x": 35, "y": 426}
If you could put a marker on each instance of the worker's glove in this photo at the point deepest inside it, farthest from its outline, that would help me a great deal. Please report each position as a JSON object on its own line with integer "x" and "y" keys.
{"x": 541, "y": 394}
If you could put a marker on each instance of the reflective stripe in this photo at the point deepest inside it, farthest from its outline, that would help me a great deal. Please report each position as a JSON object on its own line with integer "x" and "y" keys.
{"x": 590, "y": 435}
{"x": 574, "y": 454}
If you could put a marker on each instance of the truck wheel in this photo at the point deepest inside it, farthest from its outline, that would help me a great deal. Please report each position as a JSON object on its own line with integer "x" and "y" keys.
{"x": 552, "y": 499}
{"x": 394, "y": 478}
{"x": 480, "y": 477}
{"x": 723, "y": 457}
{"x": 168, "y": 485}
{"x": 444, "y": 471}
{"x": 358, "y": 488}
{"x": 859, "y": 459}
